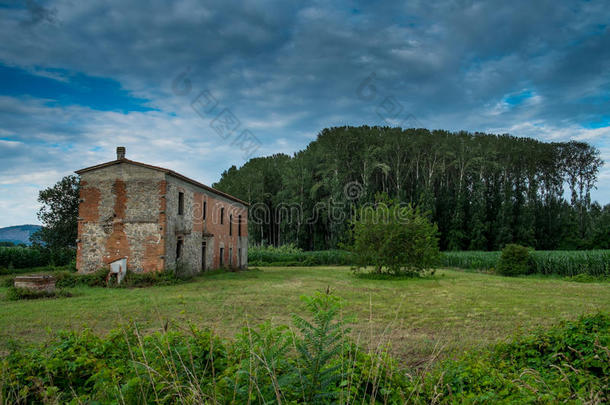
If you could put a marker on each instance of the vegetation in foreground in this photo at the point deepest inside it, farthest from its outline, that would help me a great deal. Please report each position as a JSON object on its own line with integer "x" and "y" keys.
{"x": 315, "y": 362}
{"x": 452, "y": 310}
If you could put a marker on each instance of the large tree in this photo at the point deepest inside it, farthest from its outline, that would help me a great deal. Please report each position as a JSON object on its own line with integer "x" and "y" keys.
{"x": 483, "y": 191}
{"x": 59, "y": 214}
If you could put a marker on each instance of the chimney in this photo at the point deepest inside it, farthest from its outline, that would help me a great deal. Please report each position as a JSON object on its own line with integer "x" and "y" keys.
{"x": 120, "y": 153}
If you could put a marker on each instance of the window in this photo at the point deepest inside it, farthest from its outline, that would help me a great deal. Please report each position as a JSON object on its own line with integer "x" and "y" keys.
{"x": 230, "y": 257}
{"x": 239, "y": 225}
{"x": 180, "y": 203}
{"x": 222, "y": 257}
{"x": 230, "y": 225}
{"x": 222, "y": 215}
{"x": 179, "y": 249}
{"x": 205, "y": 208}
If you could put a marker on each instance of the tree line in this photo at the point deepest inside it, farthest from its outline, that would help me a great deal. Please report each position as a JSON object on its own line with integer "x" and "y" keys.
{"x": 483, "y": 191}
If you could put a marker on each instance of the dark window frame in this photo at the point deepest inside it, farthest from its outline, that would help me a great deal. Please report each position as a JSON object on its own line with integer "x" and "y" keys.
{"x": 179, "y": 248}
{"x": 222, "y": 215}
{"x": 180, "y": 203}
{"x": 239, "y": 225}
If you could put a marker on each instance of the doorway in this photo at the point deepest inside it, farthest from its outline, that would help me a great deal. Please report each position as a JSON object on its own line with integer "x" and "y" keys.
{"x": 203, "y": 249}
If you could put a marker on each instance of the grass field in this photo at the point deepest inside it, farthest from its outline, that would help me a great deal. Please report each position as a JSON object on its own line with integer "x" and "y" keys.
{"x": 450, "y": 313}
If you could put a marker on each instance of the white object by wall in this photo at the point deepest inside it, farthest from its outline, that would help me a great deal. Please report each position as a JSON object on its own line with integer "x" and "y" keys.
{"x": 120, "y": 268}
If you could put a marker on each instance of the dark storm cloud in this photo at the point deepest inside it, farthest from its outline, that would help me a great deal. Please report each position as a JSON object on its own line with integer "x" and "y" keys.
{"x": 38, "y": 13}
{"x": 287, "y": 70}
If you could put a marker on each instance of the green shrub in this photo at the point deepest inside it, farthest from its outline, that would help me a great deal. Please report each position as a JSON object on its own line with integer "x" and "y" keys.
{"x": 69, "y": 279}
{"x": 514, "y": 261}
{"x": 567, "y": 363}
{"x": 289, "y": 255}
{"x": 32, "y": 270}
{"x": 98, "y": 279}
{"x": 394, "y": 239}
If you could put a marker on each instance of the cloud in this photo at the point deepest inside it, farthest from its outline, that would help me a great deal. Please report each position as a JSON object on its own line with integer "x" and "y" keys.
{"x": 286, "y": 71}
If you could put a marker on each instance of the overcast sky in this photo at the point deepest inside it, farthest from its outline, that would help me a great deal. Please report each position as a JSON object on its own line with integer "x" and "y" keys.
{"x": 78, "y": 78}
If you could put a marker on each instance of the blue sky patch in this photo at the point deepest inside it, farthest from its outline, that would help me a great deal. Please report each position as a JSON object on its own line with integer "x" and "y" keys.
{"x": 518, "y": 98}
{"x": 69, "y": 88}
{"x": 603, "y": 122}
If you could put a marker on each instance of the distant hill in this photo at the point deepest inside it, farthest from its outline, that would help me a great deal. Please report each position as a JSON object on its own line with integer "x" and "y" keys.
{"x": 18, "y": 234}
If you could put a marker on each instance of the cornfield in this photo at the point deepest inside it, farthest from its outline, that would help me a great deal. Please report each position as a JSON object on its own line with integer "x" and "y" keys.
{"x": 560, "y": 262}
{"x": 28, "y": 257}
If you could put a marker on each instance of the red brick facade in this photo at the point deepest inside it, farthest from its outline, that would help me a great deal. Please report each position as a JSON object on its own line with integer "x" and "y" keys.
{"x": 151, "y": 216}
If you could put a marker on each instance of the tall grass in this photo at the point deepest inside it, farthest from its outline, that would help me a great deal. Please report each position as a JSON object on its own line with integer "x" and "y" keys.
{"x": 570, "y": 263}
{"x": 558, "y": 262}
{"x": 265, "y": 364}
{"x": 470, "y": 260}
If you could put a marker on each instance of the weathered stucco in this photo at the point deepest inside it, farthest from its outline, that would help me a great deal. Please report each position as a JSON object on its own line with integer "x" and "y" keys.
{"x": 131, "y": 211}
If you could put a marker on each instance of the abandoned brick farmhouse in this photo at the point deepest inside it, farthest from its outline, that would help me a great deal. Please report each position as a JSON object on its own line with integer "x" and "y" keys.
{"x": 156, "y": 218}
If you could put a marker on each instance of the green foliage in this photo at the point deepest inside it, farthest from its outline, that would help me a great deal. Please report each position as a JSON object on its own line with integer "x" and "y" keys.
{"x": 514, "y": 261}
{"x": 124, "y": 367}
{"x": 15, "y": 294}
{"x": 18, "y": 257}
{"x": 595, "y": 263}
{"x": 395, "y": 239}
{"x": 320, "y": 364}
{"x": 568, "y": 363}
{"x": 289, "y": 255}
{"x": 483, "y": 191}
{"x": 66, "y": 279}
{"x": 59, "y": 213}
{"x": 322, "y": 342}
{"x": 470, "y": 260}
{"x": 32, "y": 270}
{"x": 260, "y": 367}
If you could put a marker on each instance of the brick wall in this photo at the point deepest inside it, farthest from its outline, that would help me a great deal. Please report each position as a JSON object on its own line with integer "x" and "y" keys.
{"x": 131, "y": 211}
{"x": 121, "y": 215}
{"x": 194, "y": 230}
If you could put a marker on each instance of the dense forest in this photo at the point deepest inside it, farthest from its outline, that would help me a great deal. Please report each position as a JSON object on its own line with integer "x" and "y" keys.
{"x": 482, "y": 190}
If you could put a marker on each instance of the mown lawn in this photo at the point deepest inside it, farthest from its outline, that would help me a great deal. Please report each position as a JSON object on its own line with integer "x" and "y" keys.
{"x": 450, "y": 313}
